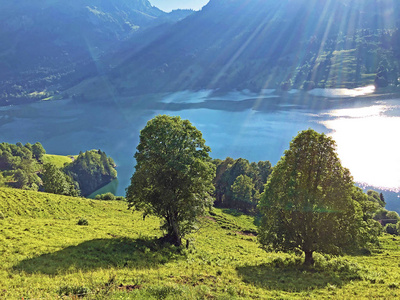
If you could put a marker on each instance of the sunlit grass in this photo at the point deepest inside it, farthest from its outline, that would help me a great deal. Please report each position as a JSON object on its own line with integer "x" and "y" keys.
{"x": 46, "y": 255}
{"x": 58, "y": 160}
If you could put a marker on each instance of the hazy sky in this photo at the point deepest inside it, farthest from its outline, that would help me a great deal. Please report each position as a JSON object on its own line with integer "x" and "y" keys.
{"x": 168, "y": 5}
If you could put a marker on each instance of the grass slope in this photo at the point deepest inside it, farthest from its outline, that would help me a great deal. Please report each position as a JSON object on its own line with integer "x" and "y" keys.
{"x": 58, "y": 160}
{"x": 46, "y": 255}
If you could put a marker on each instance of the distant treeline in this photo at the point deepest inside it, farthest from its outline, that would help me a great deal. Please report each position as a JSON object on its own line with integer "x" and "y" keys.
{"x": 22, "y": 166}
{"x": 239, "y": 183}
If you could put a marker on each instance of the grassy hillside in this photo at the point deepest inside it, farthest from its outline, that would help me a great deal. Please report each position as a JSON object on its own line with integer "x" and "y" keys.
{"x": 46, "y": 255}
{"x": 58, "y": 160}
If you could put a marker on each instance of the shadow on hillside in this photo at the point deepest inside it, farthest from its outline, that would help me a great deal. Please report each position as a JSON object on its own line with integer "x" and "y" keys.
{"x": 232, "y": 212}
{"x": 293, "y": 279}
{"x": 102, "y": 253}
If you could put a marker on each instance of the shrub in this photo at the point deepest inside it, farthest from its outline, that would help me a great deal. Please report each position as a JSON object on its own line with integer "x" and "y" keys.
{"x": 391, "y": 229}
{"x": 393, "y": 215}
{"x": 83, "y": 221}
{"x": 1, "y": 216}
{"x": 106, "y": 196}
{"x": 68, "y": 290}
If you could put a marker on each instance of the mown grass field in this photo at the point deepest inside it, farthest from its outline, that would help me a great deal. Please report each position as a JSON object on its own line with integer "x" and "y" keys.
{"x": 44, "y": 254}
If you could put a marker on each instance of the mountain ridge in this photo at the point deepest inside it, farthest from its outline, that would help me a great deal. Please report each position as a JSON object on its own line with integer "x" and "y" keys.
{"x": 257, "y": 44}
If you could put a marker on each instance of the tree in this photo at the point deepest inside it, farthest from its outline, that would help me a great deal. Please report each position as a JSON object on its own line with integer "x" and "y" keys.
{"x": 307, "y": 204}
{"x": 38, "y": 150}
{"x": 173, "y": 175}
{"x": 21, "y": 179}
{"x": 92, "y": 170}
{"x": 56, "y": 182}
{"x": 244, "y": 195}
{"x": 242, "y": 189}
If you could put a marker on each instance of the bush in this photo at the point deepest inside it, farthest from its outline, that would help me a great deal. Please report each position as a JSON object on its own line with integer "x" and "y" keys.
{"x": 106, "y": 196}
{"x": 73, "y": 291}
{"x": 392, "y": 215}
{"x": 83, "y": 222}
{"x": 1, "y": 215}
{"x": 391, "y": 229}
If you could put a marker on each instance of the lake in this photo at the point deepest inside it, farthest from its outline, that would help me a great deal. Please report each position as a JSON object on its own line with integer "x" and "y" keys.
{"x": 237, "y": 124}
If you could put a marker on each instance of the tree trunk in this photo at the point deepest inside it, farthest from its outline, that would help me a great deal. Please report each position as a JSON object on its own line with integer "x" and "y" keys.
{"x": 173, "y": 236}
{"x": 309, "y": 261}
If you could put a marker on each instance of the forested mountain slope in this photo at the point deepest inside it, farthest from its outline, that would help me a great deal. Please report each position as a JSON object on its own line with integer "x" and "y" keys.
{"x": 43, "y": 41}
{"x": 232, "y": 44}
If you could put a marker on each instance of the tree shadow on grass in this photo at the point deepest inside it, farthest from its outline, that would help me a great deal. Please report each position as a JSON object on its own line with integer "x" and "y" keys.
{"x": 102, "y": 253}
{"x": 232, "y": 212}
{"x": 294, "y": 278}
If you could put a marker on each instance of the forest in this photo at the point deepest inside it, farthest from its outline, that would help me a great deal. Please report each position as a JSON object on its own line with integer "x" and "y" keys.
{"x": 28, "y": 167}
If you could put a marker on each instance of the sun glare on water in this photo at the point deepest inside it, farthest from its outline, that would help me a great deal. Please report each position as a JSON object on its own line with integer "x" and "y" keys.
{"x": 368, "y": 144}
{"x": 343, "y": 93}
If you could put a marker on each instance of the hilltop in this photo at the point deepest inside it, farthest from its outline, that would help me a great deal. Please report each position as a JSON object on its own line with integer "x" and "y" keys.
{"x": 46, "y": 254}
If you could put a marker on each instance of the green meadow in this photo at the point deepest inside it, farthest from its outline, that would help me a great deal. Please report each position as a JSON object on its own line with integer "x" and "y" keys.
{"x": 58, "y": 160}
{"x": 45, "y": 254}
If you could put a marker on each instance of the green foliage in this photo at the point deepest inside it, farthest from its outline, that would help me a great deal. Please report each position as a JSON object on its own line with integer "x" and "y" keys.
{"x": 109, "y": 196}
{"x": 391, "y": 229}
{"x": 83, "y": 221}
{"x": 21, "y": 179}
{"x": 228, "y": 171}
{"x": 92, "y": 170}
{"x": 19, "y": 160}
{"x": 106, "y": 196}
{"x": 375, "y": 197}
{"x": 58, "y": 160}
{"x": 38, "y": 150}
{"x": 392, "y": 215}
{"x": 173, "y": 176}
{"x": 45, "y": 255}
{"x": 384, "y": 214}
{"x": 56, "y": 182}
{"x": 242, "y": 189}
{"x": 307, "y": 204}
{"x": 68, "y": 290}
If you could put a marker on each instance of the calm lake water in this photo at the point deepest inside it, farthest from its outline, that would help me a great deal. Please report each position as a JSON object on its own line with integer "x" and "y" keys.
{"x": 238, "y": 124}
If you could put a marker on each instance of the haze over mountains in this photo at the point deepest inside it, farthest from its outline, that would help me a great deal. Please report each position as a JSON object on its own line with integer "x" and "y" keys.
{"x": 229, "y": 44}
{"x": 42, "y": 41}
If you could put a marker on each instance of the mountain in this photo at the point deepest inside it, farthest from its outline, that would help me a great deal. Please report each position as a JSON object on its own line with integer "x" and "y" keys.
{"x": 43, "y": 40}
{"x": 255, "y": 44}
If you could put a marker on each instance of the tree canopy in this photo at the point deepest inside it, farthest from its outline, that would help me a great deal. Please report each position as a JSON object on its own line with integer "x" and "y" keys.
{"x": 173, "y": 175}
{"x": 56, "y": 182}
{"x": 92, "y": 170}
{"x": 308, "y": 201}
{"x": 238, "y": 183}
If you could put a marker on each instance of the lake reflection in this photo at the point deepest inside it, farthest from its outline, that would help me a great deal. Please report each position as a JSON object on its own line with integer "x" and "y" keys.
{"x": 238, "y": 124}
{"x": 368, "y": 143}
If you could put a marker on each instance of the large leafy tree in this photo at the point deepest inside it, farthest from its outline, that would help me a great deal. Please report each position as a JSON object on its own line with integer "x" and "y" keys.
{"x": 56, "y": 182}
{"x": 173, "y": 176}
{"x": 308, "y": 204}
